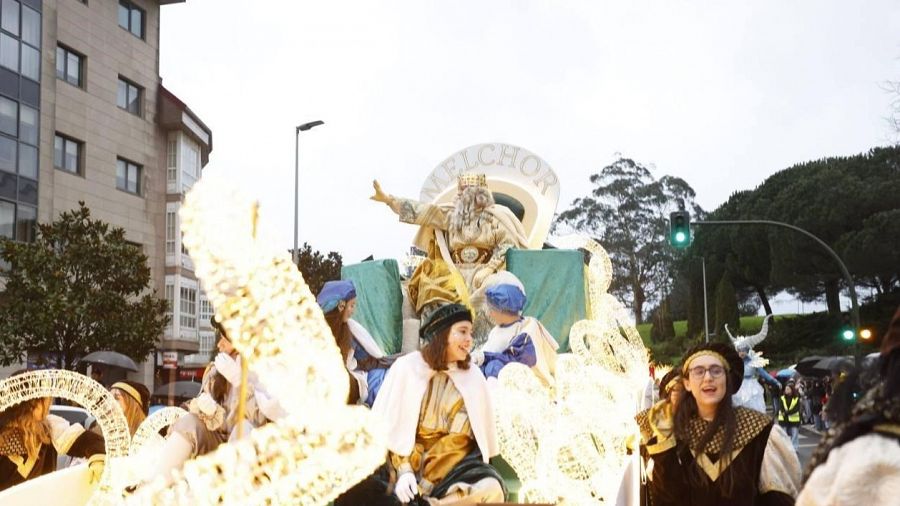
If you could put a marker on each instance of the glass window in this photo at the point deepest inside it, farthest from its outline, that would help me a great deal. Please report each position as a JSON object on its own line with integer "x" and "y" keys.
{"x": 68, "y": 66}
{"x": 128, "y": 176}
{"x": 170, "y": 232}
{"x": 28, "y": 161}
{"x": 170, "y": 297}
{"x": 60, "y": 63}
{"x": 28, "y": 124}
{"x": 67, "y": 154}
{"x": 128, "y": 96}
{"x": 131, "y": 18}
{"x": 31, "y": 26}
{"x": 28, "y": 191}
{"x": 8, "y": 154}
{"x": 8, "y": 188}
{"x": 10, "y": 16}
{"x": 7, "y": 219}
{"x": 188, "y": 317}
{"x": 9, "y": 116}
{"x": 31, "y": 63}
{"x": 26, "y": 221}
{"x": 9, "y": 52}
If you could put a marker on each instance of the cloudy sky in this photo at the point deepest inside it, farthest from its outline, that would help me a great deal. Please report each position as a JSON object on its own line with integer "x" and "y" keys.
{"x": 722, "y": 94}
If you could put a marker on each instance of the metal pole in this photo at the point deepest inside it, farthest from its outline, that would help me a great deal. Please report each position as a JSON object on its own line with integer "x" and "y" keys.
{"x": 296, "y": 253}
{"x": 854, "y": 306}
{"x": 705, "y": 307}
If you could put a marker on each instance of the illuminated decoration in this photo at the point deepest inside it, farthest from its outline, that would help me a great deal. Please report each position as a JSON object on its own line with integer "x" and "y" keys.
{"x": 568, "y": 445}
{"x": 322, "y": 447}
{"x": 86, "y": 392}
{"x": 147, "y": 433}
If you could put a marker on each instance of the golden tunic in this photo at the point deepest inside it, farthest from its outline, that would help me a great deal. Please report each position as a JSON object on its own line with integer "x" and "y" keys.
{"x": 483, "y": 244}
{"x": 443, "y": 436}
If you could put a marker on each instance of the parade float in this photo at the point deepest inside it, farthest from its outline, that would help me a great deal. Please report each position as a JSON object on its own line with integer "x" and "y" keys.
{"x": 563, "y": 443}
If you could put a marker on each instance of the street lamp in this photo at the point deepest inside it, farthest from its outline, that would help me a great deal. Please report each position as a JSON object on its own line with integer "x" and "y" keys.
{"x": 300, "y": 128}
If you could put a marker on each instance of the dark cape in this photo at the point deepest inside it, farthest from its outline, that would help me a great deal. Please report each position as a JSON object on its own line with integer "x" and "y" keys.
{"x": 678, "y": 477}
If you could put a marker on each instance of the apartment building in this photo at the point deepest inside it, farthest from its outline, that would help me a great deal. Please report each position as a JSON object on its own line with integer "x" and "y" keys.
{"x": 84, "y": 116}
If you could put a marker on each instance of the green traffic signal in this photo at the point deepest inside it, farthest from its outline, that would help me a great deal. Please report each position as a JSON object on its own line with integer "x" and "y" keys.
{"x": 680, "y": 229}
{"x": 848, "y": 334}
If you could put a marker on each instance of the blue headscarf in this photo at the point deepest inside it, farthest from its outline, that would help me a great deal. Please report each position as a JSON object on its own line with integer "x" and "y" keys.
{"x": 334, "y": 292}
{"x": 506, "y": 297}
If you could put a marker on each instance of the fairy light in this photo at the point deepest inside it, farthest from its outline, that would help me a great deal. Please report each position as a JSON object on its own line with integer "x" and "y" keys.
{"x": 86, "y": 392}
{"x": 311, "y": 455}
{"x": 147, "y": 434}
{"x": 568, "y": 445}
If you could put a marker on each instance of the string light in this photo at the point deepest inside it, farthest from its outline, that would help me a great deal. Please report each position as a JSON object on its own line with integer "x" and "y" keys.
{"x": 312, "y": 455}
{"x": 147, "y": 434}
{"x": 568, "y": 445}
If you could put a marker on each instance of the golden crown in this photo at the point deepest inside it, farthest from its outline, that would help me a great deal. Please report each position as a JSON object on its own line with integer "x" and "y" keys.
{"x": 471, "y": 179}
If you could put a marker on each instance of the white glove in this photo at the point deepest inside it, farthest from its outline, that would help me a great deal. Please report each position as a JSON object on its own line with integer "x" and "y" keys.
{"x": 229, "y": 368}
{"x": 477, "y": 357}
{"x": 58, "y": 426}
{"x": 206, "y": 404}
{"x": 406, "y": 487}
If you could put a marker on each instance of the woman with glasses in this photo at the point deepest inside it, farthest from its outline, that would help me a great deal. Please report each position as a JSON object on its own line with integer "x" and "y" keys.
{"x": 722, "y": 455}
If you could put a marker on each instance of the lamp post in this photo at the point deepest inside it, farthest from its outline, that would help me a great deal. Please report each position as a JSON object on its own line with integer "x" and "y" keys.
{"x": 300, "y": 128}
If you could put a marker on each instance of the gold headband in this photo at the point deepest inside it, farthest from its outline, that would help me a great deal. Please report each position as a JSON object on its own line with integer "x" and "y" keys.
{"x": 701, "y": 353}
{"x": 672, "y": 382}
{"x": 130, "y": 390}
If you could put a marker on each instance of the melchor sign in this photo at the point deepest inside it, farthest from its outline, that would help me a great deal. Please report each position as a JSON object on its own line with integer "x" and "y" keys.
{"x": 511, "y": 170}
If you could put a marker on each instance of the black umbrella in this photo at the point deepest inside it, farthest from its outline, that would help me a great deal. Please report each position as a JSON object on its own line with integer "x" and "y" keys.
{"x": 185, "y": 389}
{"x": 806, "y": 366}
{"x": 110, "y": 358}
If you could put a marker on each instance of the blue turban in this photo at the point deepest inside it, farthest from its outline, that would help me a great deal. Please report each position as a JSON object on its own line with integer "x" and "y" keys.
{"x": 507, "y": 298}
{"x": 334, "y": 292}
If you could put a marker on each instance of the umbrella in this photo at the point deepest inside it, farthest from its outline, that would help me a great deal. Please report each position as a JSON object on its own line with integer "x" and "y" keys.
{"x": 805, "y": 366}
{"x": 186, "y": 389}
{"x": 110, "y": 358}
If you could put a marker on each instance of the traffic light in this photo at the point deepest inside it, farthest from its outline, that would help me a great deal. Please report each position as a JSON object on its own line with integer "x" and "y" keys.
{"x": 680, "y": 229}
{"x": 865, "y": 334}
{"x": 848, "y": 333}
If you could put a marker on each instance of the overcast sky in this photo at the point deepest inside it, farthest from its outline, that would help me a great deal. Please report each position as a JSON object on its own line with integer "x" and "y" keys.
{"x": 717, "y": 93}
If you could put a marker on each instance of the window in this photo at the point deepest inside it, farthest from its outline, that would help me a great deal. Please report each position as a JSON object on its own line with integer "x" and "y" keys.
{"x": 129, "y": 96}
{"x": 7, "y": 219}
{"x": 26, "y": 222}
{"x": 67, "y": 154}
{"x": 8, "y": 151}
{"x": 31, "y": 26}
{"x": 28, "y": 124}
{"x": 188, "y": 316}
{"x": 170, "y": 299}
{"x": 171, "y": 229}
{"x": 9, "y": 116}
{"x": 191, "y": 164}
{"x": 9, "y": 52}
{"x": 10, "y": 16}
{"x": 69, "y": 66}
{"x": 172, "y": 159}
{"x": 31, "y": 63}
{"x": 206, "y": 311}
{"x": 131, "y": 18}
{"x": 28, "y": 161}
{"x": 128, "y": 176}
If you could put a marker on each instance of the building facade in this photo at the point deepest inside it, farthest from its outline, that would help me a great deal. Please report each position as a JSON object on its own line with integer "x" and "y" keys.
{"x": 84, "y": 116}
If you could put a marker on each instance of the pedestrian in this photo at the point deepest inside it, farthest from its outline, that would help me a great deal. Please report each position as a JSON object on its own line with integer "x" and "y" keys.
{"x": 439, "y": 421}
{"x": 723, "y": 455}
{"x": 858, "y": 462}
{"x": 31, "y": 438}
{"x": 789, "y": 415}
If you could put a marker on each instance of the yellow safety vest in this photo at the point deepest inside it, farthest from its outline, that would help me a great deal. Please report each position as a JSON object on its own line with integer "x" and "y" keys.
{"x": 783, "y": 415}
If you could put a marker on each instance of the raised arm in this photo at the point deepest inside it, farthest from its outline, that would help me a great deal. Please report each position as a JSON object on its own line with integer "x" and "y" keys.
{"x": 411, "y": 211}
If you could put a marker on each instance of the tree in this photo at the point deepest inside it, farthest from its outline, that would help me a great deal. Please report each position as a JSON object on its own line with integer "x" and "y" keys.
{"x": 663, "y": 327}
{"x": 628, "y": 212}
{"x": 726, "y": 307}
{"x": 318, "y": 268}
{"x": 78, "y": 288}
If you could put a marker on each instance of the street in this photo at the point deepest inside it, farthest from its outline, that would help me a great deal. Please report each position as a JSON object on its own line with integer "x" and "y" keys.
{"x": 809, "y": 440}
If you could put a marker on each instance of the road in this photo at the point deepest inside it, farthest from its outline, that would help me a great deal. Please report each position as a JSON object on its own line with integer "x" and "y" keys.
{"x": 809, "y": 440}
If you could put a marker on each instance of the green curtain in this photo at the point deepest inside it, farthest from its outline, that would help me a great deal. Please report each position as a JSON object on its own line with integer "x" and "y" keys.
{"x": 554, "y": 283}
{"x": 378, "y": 300}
